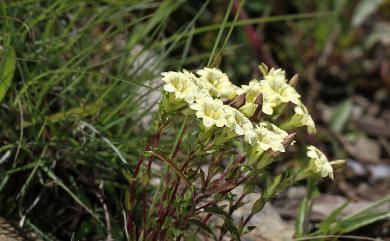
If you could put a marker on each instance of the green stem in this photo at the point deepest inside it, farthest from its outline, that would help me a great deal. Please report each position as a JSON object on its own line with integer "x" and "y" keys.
{"x": 172, "y": 154}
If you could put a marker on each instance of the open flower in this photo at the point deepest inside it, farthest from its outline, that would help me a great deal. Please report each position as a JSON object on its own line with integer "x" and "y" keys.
{"x": 318, "y": 162}
{"x": 276, "y": 91}
{"x": 252, "y": 90}
{"x": 275, "y": 75}
{"x": 181, "y": 85}
{"x": 217, "y": 82}
{"x": 240, "y": 124}
{"x": 211, "y": 111}
{"x": 269, "y": 136}
{"x": 300, "y": 118}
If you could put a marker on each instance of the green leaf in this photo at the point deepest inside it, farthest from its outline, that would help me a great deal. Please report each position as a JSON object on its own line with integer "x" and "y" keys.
{"x": 228, "y": 224}
{"x": 232, "y": 228}
{"x": 301, "y": 217}
{"x": 325, "y": 225}
{"x": 76, "y": 198}
{"x": 248, "y": 229}
{"x": 352, "y": 224}
{"x": 219, "y": 36}
{"x": 216, "y": 210}
{"x": 7, "y": 69}
{"x": 341, "y": 116}
{"x": 259, "y": 204}
{"x": 273, "y": 186}
{"x": 353, "y": 221}
{"x": 305, "y": 208}
{"x": 263, "y": 69}
{"x": 363, "y": 10}
{"x": 371, "y": 207}
{"x": 203, "y": 227}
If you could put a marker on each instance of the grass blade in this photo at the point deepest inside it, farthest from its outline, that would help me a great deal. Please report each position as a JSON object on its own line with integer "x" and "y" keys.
{"x": 350, "y": 225}
{"x": 74, "y": 196}
{"x": 7, "y": 69}
{"x": 305, "y": 208}
{"x": 223, "y": 26}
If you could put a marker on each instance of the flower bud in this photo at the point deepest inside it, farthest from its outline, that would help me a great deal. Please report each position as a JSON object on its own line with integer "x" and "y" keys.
{"x": 237, "y": 101}
{"x": 257, "y": 114}
{"x": 294, "y": 80}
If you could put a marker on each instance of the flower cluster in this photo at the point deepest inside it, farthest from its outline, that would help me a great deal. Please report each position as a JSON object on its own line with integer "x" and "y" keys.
{"x": 274, "y": 89}
{"x": 210, "y": 95}
{"x": 236, "y": 132}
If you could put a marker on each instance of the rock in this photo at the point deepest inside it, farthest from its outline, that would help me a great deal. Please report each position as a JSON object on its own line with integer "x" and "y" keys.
{"x": 368, "y": 150}
{"x": 10, "y": 232}
{"x": 269, "y": 225}
{"x": 379, "y": 171}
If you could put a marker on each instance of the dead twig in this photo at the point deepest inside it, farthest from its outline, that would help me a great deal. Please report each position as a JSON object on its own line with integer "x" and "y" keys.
{"x": 99, "y": 195}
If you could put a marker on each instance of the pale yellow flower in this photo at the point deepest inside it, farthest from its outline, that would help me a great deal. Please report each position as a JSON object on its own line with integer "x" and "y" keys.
{"x": 275, "y": 75}
{"x": 217, "y": 82}
{"x": 269, "y": 136}
{"x": 211, "y": 111}
{"x": 318, "y": 162}
{"x": 181, "y": 85}
{"x": 240, "y": 124}
{"x": 252, "y": 90}
{"x": 300, "y": 118}
{"x": 275, "y": 92}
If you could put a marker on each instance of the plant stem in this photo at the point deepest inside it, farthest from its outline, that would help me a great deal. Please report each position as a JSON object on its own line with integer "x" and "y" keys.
{"x": 154, "y": 138}
{"x": 171, "y": 156}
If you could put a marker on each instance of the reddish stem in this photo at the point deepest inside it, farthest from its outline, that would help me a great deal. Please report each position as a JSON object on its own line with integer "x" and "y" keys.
{"x": 166, "y": 212}
{"x": 130, "y": 219}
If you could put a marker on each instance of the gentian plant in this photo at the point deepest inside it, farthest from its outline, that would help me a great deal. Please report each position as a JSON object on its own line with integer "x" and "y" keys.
{"x": 210, "y": 137}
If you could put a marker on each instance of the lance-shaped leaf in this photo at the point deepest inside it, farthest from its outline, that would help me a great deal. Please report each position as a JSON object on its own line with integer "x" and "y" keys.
{"x": 7, "y": 69}
{"x": 203, "y": 227}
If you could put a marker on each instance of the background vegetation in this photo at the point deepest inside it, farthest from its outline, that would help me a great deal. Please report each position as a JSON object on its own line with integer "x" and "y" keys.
{"x": 79, "y": 81}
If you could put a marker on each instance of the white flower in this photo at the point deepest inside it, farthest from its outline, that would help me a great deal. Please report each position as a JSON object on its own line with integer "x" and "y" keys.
{"x": 275, "y": 92}
{"x": 318, "y": 162}
{"x": 252, "y": 90}
{"x": 211, "y": 111}
{"x": 181, "y": 85}
{"x": 241, "y": 125}
{"x": 275, "y": 75}
{"x": 217, "y": 82}
{"x": 269, "y": 136}
{"x": 300, "y": 118}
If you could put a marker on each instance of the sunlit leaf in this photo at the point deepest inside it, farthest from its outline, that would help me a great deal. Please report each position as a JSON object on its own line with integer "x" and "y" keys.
{"x": 7, "y": 69}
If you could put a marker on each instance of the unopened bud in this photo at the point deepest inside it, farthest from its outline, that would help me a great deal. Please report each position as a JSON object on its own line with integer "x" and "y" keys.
{"x": 337, "y": 164}
{"x": 263, "y": 69}
{"x": 288, "y": 140}
{"x": 257, "y": 114}
{"x": 237, "y": 101}
{"x": 294, "y": 80}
